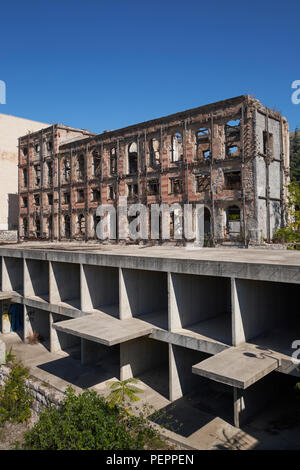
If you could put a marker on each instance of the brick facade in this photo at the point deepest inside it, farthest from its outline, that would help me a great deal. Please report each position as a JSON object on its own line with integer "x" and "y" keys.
{"x": 212, "y": 155}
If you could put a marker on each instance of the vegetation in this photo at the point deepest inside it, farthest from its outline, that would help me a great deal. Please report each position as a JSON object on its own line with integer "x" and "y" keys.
{"x": 291, "y": 233}
{"x": 15, "y": 400}
{"x": 295, "y": 156}
{"x": 123, "y": 392}
{"x": 88, "y": 422}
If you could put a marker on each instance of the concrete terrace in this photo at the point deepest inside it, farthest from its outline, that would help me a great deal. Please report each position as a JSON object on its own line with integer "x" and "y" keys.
{"x": 226, "y": 316}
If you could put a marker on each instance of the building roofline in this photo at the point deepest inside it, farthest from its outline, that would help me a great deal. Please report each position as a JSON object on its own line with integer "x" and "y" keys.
{"x": 171, "y": 117}
{"x": 59, "y": 126}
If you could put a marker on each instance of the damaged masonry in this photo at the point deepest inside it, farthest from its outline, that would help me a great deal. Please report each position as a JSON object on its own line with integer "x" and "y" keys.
{"x": 231, "y": 156}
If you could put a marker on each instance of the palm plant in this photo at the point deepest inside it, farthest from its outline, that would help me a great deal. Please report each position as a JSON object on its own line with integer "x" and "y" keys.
{"x": 123, "y": 392}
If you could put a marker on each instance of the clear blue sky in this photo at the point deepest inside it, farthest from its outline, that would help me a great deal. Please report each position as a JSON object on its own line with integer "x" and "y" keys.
{"x": 105, "y": 64}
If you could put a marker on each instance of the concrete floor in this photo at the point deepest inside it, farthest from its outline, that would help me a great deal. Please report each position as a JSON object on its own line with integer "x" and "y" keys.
{"x": 204, "y": 423}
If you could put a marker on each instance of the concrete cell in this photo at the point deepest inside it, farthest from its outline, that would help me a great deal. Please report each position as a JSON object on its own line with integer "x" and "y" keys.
{"x": 146, "y": 359}
{"x": 142, "y": 293}
{"x": 201, "y": 304}
{"x": 38, "y": 322}
{"x": 12, "y": 274}
{"x": 36, "y": 279}
{"x": 63, "y": 341}
{"x": 99, "y": 288}
{"x": 65, "y": 284}
{"x": 264, "y": 306}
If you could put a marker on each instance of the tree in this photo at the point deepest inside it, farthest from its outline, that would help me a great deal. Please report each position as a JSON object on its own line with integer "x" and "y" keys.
{"x": 87, "y": 422}
{"x": 295, "y": 156}
{"x": 123, "y": 392}
{"x": 291, "y": 233}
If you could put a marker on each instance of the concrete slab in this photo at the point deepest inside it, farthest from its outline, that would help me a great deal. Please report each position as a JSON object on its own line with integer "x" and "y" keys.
{"x": 105, "y": 329}
{"x": 239, "y": 366}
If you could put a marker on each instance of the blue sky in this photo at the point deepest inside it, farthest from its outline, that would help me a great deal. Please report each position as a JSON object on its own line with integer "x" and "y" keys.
{"x": 105, "y": 64}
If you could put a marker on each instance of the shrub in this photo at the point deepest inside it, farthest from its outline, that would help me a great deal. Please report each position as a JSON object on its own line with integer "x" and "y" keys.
{"x": 15, "y": 399}
{"x": 87, "y": 422}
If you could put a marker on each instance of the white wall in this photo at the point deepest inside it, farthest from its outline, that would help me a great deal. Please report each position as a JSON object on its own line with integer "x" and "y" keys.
{"x": 11, "y": 128}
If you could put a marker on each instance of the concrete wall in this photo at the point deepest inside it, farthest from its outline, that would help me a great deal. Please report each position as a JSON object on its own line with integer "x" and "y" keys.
{"x": 65, "y": 283}
{"x": 12, "y": 274}
{"x": 100, "y": 287}
{"x": 144, "y": 292}
{"x": 11, "y": 128}
{"x": 36, "y": 279}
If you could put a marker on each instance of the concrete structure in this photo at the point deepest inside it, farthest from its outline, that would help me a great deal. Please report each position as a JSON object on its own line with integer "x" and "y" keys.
{"x": 11, "y": 128}
{"x": 38, "y": 179}
{"x": 219, "y": 322}
{"x": 232, "y": 156}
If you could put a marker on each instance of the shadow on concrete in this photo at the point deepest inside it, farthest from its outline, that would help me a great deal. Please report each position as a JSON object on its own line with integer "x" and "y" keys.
{"x": 71, "y": 370}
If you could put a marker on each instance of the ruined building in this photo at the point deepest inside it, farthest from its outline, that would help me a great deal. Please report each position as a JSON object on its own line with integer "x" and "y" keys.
{"x": 232, "y": 156}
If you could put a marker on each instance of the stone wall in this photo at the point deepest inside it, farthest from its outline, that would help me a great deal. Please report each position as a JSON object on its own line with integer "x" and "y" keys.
{"x": 8, "y": 236}
{"x": 42, "y": 393}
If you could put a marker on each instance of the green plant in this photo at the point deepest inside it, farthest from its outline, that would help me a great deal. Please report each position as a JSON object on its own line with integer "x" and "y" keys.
{"x": 291, "y": 233}
{"x": 15, "y": 399}
{"x": 10, "y": 357}
{"x": 87, "y": 422}
{"x": 123, "y": 392}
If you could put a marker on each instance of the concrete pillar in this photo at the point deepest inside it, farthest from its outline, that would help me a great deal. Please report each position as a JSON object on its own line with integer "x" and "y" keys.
{"x": 125, "y": 309}
{"x": 54, "y": 296}
{"x": 28, "y": 287}
{"x": 125, "y": 365}
{"x": 6, "y": 283}
{"x": 27, "y": 323}
{"x": 238, "y": 333}
{"x": 174, "y": 321}
{"x": 238, "y": 405}
{"x": 54, "y": 341}
{"x": 86, "y": 302}
{"x": 175, "y": 390}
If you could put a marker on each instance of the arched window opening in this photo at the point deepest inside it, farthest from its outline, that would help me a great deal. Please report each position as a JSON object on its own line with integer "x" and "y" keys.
{"x": 81, "y": 224}
{"x": 113, "y": 161}
{"x": 96, "y": 164}
{"x": 177, "y": 147}
{"x": 80, "y": 167}
{"x": 132, "y": 158}
{"x": 67, "y": 224}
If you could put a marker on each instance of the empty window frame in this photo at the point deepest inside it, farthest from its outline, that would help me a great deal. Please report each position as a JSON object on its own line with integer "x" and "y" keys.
{"x": 202, "y": 182}
{"x": 232, "y": 151}
{"x": 37, "y": 147}
{"x": 67, "y": 226}
{"x": 132, "y": 158}
{"x": 50, "y": 173}
{"x": 202, "y": 143}
{"x": 113, "y": 161}
{"x": 66, "y": 170}
{"x": 80, "y": 195}
{"x": 36, "y": 198}
{"x": 232, "y": 180}
{"x": 25, "y": 151}
{"x": 50, "y": 199}
{"x": 111, "y": 192}
{"x": 66, "y": 198}
{"x": 37, "y": 227}
{"x": 24, "y": 201}
{"x": 176, "y": 147}
{"x": 80, "y": 167}
{"x": 37, "y": 174}
{"x": 176, "y": 185}
{"x": 268, "y": 144}
{"x": 49, "y": 145}
{"x": 153, "y": 187}
{"x": 154, "y": 156}
{"x": 132, "y": 189}
{"x": 25, "y": 177}
{"x": 96, "y": 163}
{"x": 95, "y": 195}
{"x": 25, "y": 227}
{"x": 81, "y": 224}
